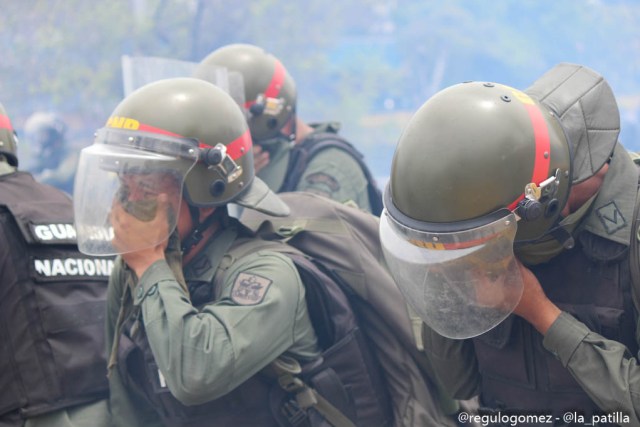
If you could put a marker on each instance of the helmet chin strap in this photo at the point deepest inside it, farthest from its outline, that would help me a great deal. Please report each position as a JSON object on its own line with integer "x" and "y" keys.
{"x": 563, "y": 237}
{"x": 197, "y": 231}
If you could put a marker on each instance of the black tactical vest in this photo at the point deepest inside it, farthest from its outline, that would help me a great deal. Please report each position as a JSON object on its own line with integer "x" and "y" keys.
{"x": 52, "y": 304}
{"x": 592, "y": 283}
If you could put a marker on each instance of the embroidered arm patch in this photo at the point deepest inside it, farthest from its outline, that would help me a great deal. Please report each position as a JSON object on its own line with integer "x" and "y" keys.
{"x": 249, "y": 289}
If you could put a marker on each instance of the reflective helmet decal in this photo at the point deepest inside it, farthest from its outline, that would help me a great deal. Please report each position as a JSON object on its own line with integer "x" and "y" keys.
{"x": 542, "y": 158}
{"x": 443, "y": 246}
{"x": 132, "y": 124}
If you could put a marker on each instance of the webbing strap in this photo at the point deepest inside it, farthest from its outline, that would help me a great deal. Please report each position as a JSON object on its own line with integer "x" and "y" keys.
{"x": 417, "y": 325}
{"x": 287, "y": 371}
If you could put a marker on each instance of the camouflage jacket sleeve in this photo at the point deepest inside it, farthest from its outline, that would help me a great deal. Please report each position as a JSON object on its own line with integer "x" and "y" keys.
{"x": 603, "y": 368}
{"x": 333, "y": 173}
{"x": 205, "y": 353}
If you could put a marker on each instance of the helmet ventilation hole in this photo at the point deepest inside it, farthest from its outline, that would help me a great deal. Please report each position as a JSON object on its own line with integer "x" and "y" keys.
{"x": 272, "y": 123}
{"x": 552, "y": 208}
{"x": 217, "y": 187}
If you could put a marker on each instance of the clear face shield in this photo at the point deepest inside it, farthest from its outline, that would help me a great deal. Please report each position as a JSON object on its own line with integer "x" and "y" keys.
{"x": 130, "y": 181}
{"x": 461, "y": 284}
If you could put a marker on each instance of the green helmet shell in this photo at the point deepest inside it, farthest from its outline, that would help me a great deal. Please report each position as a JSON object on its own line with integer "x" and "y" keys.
{"x": 270, "y": 92}
{"x": 193, "y": 108}
{"x": 469, "y": 152}
{"x": 8, "y": 139}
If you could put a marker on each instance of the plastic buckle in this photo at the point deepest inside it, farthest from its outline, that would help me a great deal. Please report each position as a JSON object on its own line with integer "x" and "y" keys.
{"x": 290, "y": 383}
{"x": 306, "y": 398}
{"x": 294, "y": 414}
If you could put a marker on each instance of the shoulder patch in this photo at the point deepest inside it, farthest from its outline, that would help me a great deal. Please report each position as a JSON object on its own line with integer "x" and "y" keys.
{"x": 249, "y": 289}
{"x": 321, "y": 178}
{"x": 611, "y": 217}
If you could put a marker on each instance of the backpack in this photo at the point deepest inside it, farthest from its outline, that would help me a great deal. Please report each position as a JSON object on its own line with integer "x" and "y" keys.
{"x": 343, "y": 242}
{"x": 326, "y": 136}
{"x": 634, "y": 245}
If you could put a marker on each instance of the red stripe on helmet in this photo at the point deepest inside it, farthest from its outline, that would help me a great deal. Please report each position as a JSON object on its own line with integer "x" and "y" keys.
{"x": 273, "y": 90}
{"x": 152, "y": 129}
{"x": 5, "y": 123}
{"x": 235, "y": 149}
{"x": 543, "y": 146}
{"x": 238, "y": 147}
{"x": 275, "y": 85}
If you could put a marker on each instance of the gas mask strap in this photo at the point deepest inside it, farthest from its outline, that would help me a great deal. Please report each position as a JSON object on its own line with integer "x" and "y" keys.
{"x": 196, "y": 235}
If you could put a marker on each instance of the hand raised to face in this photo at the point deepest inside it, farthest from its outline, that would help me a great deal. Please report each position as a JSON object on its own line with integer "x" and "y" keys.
{"x": 151, "y": 235}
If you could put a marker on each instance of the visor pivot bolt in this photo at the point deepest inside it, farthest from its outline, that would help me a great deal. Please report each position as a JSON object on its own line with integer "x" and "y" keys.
{"x": 213, "y": 156}
{"x": 529, "y": 209}
{"x": 257, "y": 109}
{"x": 217, "y": 187}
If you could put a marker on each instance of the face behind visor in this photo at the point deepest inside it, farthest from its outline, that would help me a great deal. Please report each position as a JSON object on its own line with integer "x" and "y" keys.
{"x": 172, "y": 141}
{"x": 270, "y": 92}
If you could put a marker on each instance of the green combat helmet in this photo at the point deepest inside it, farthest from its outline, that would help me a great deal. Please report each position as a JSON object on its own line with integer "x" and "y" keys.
{"x": 475, "y": 149}
{"x": 8, "y": 139}
{"x": 270, "y": 92}
{"x": 174, "y": 136}
{"x": 478, "y": 167}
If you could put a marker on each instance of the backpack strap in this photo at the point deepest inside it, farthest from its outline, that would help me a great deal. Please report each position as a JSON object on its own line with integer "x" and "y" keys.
{"x": 288, "y": 372}
{"x": 303, "y": 152}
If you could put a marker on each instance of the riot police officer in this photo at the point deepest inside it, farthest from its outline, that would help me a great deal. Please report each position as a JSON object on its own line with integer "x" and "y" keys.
{"x": 508, "y": 226}
{"x": 52, "y": 308}
{"x": 156, "y": 184}
{"x": 289, "y": 154}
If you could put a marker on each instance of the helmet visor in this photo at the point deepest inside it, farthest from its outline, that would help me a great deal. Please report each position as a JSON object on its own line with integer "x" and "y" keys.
{"x": 461, "y": 284}
{"x": 126, "y": 197}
